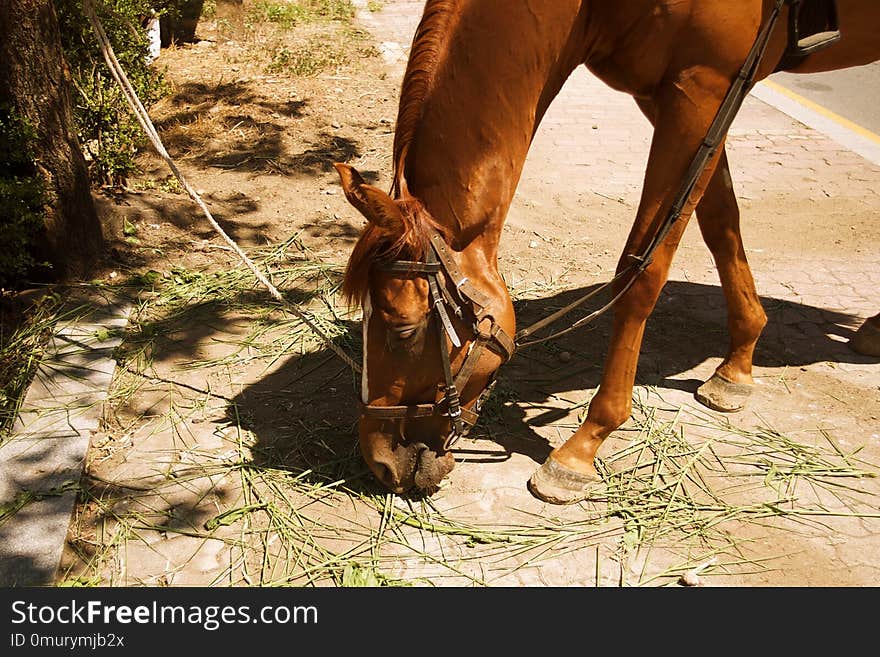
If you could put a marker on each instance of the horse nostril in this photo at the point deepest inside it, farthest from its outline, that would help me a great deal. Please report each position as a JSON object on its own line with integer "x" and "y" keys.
{"x": 385, "y": 474}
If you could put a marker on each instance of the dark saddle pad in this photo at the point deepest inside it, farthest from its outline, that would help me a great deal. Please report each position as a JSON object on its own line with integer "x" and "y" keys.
{"x": 812, "y": 26}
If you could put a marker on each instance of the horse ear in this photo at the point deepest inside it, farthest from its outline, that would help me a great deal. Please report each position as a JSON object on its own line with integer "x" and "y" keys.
{"x": 378, "y": 208}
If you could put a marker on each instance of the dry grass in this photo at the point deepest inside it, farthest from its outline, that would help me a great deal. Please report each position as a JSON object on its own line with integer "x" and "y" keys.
{"x": 24, "y": 329}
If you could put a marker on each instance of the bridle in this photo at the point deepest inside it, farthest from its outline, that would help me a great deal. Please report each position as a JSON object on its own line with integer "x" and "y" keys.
{"x": 469, "y": 304}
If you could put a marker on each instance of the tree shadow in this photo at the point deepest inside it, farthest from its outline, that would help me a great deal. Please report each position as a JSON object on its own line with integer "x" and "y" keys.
{"x": 43, "y": 456}
{"x": 27, "y": 563}
{"x": 205, "y": 120}
{"x": 179, "y": 210}
{"x": 302, "y": 416}
{"x": 331, "y": 229}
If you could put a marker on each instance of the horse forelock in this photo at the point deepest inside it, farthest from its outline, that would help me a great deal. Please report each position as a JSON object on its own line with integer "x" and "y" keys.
{"x": 428, "y": 50}
{"x": 375, "y": 245}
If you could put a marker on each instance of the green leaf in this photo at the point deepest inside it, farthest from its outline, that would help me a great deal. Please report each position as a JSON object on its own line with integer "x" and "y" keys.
{"x": 232, "y": 516}
{"x": 356, "y": 576}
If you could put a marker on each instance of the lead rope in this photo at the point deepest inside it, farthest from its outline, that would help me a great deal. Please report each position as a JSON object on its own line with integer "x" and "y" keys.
{"x": 144, "y": 120}
{"x": 737, "y": 93}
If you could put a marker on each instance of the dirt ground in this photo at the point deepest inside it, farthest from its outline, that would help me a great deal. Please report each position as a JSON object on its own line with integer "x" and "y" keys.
{"x": 228, "y": 454}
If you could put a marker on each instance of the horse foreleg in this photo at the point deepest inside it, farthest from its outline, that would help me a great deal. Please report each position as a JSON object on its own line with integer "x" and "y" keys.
{"x": 569, "y": 474}
{"x": 681, "y": 112}
{"x": 718, "y": 217}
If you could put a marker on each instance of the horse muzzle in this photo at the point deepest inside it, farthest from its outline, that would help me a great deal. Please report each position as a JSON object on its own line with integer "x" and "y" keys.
{"x": 401, "y": 464}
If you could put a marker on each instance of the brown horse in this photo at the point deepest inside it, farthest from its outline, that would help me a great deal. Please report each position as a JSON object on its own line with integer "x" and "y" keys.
{"x": 438, "y": 318}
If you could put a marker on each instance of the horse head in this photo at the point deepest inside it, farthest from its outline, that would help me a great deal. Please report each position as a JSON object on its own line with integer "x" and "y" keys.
{"x": 435, "y": 330}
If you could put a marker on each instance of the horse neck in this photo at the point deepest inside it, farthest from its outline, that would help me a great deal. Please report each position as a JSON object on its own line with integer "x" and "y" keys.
{"x": 487, "y": 96}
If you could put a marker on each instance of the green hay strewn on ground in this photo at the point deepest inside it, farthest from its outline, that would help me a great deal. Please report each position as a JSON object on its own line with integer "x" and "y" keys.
{"x": 669, "y": 489}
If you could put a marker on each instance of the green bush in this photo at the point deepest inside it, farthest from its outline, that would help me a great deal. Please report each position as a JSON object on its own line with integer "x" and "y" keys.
{"x": 22, "y": 198}
{"x": 107, "y": 130}
{"x": 289, "y": 14}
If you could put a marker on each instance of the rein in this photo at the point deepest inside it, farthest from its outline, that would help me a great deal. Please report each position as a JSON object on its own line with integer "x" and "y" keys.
{"x": 737, "y": 93}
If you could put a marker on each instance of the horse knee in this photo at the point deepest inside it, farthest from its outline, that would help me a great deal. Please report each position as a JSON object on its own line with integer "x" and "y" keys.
{"x": 639, "y": 300}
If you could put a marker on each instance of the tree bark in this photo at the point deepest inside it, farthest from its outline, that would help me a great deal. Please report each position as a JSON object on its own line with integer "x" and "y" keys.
{"x": 35, "y": 81}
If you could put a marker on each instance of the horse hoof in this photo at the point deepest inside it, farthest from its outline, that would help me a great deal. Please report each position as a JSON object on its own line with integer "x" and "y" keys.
{"x": 556, "y": 484}
{"x": 719, "y": 394}
{"x": 866, "y": 340}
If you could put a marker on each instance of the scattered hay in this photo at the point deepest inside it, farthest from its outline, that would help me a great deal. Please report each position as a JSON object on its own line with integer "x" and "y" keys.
{"x": 681, "y": 493}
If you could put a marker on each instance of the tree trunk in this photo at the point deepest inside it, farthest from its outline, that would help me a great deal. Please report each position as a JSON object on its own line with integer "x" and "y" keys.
{"x": 35, "y": 81}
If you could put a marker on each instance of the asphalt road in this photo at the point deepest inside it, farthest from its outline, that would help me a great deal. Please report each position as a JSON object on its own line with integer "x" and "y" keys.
{"x": 853, "y": 93}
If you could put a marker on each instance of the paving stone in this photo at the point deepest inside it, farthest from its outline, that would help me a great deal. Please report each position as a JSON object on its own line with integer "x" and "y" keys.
{"x": 44, "y": 456}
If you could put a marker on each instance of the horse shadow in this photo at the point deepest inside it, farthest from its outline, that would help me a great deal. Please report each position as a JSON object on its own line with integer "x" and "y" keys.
{"x": 304, "y": 413}
{"x": 303, "y": 417}
{"x": 687, "y": 328}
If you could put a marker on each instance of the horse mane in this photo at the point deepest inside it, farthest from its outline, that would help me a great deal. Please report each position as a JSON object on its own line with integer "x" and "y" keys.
{"x": 429, "y": 47}
{"x": 428, "y": 50}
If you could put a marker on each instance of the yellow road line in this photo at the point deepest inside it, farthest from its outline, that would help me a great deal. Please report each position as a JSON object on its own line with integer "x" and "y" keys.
{"x": 828, "y": 114}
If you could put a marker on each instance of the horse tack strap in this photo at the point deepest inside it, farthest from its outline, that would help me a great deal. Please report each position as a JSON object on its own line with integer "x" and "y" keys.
{"x": 398, "y": 412}
{"x": 414, "y": 411}
{"x": 409, "y": 267}
{"x": 450, "y": 391}
{"x": 439, "y": 306}
{"x": 812, "y": 26}
{"x": 459, "y": 281}
{"x": 497, "y": 338}
{"x": 470, "y": 362}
